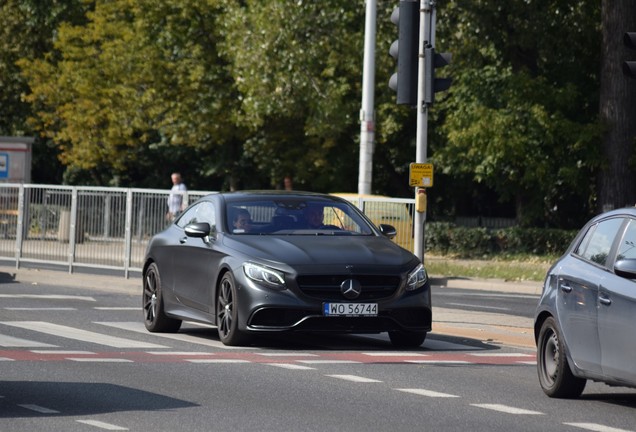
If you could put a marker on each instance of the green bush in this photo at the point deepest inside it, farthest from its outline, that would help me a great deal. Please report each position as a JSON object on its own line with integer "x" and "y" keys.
{"x": 448, "y": 239}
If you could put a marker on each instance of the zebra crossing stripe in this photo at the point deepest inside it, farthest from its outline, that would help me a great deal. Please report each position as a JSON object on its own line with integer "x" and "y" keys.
{"x": 138, "y": 327}
{"x": 14, "y": 342}
{"x": 79, "y": 334}
{"x": 48, "y": 297}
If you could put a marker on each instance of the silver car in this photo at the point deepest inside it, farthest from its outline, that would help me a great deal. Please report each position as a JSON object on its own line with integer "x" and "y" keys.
{"x": 584, "y": 323}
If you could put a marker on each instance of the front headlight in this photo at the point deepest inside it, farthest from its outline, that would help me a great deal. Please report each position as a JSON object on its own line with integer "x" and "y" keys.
{"x": 416, "y": 278}
{"x": 264, "y": 275}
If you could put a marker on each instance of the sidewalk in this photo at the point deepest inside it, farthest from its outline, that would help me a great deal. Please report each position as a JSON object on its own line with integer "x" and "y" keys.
{"x": 487, "y": 327}
{"x": 118, "y": 284}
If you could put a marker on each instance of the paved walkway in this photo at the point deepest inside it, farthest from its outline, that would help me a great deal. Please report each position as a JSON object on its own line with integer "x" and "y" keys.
{"x": 493, "y": 328}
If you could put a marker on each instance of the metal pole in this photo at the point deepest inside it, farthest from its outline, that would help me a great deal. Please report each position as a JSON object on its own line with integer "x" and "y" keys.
{"x": 427, "y": 24}
{"x": 367, "y": 121}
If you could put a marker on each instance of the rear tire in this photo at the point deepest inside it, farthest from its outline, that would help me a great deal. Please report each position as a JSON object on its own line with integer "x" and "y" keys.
{"x": 155, "y": 318}
{"x": 555, "y": 375}
{"x": 227, "y": 313}
{"x": 405, "y": 339}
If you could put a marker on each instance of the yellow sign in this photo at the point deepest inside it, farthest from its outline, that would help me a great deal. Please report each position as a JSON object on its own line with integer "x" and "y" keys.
{"x": 421, "y": 175}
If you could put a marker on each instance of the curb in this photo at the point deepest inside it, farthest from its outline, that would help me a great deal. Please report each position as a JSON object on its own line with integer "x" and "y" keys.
{"x": 500, "y": 285}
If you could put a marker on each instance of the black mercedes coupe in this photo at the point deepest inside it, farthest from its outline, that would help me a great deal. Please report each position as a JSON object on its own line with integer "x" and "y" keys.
{"x": 278, "y": 261}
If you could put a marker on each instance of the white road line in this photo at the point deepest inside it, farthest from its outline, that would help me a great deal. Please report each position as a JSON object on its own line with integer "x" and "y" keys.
{"x": 79, "y": 334}
{"x": 394, "y": 354}
{"x": 596, "y": 427}
{"x": 217, "y": 361}
{"x": 99, "y": 360}
{"x": 291, "y": 366}
{"x": 10, "y": 341}
{"x": 138, "y": 327}
{"x": 474, "y": 306}
{"x": 531, "y": 363}
{"x": 485, "y": 354}
{"x": 329, "y": 361}
{"x": 5, "y": 359}
{"x": 179, "y": 353}
{"x": 102, "y": 425}
{"x": 39, "y": 409}
{"x": 40, "y": 309}
{"x": 437, "y": 361}
{"x": 507, "y": 409}
{"x": 427, "y": 393}
{"x": 62, "y": 352}
{"x": 355, "y": 378}
{"x": 47, "y": 297}
{"x": 291, "y": 354}
{"x": 438, "y": 345}
{"x": 113, "y": 308}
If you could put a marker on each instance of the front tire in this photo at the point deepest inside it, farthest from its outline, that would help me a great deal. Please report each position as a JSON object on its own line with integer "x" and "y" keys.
{"x": 227, "y": 315}
{"x": 155, "y": 318}
{"x": 555, "y": 375}
{"x": 405, "y": 339}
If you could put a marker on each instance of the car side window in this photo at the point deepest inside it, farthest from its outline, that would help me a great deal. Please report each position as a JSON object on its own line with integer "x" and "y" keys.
{"x": 597, "y": 243}
{"x": 627, "y": 247}
{"x": 202, "y": 212}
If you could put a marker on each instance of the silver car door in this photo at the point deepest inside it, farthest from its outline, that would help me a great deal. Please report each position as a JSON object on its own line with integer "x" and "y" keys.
{"x": 580, "y": 277}
{"x": 617, "y": 316}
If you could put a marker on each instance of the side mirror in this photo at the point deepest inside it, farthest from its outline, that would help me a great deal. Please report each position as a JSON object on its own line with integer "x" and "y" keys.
{"x": 198, "y": 229}
{"x": 388, "y": 230}
{"x": 626, "y": 268}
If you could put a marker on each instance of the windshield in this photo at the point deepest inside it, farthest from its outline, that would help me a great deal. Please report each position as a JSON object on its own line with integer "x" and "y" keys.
{"x": 295, "y": 217}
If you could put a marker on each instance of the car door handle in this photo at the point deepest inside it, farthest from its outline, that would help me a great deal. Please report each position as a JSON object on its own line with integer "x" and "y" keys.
{"x": 183, "y": 240}
{"x": 605, "y": 301}
{"x": 566, "y": 288}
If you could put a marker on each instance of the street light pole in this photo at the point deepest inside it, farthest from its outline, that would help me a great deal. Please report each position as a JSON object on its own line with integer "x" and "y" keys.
{"x": 367, "y": 112}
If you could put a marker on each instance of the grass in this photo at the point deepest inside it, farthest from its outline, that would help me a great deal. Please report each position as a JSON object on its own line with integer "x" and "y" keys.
{"x": 510, "y": 268}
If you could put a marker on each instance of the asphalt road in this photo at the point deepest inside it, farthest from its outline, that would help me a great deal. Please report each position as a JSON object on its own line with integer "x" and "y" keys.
{"x": 74, "y": 356}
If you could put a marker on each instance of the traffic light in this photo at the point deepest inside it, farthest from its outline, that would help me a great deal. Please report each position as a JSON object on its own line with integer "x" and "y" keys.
{"x": 432, "y": 61}
{"x": 405, "y": 50}
{"x": 629, "y": 67}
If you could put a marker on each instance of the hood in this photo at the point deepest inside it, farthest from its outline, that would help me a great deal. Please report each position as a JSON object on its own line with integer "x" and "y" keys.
{"x": 299, "y": 250}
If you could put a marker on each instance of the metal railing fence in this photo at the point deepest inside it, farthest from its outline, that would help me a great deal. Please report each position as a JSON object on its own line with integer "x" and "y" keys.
{"x": 109, "y": 228}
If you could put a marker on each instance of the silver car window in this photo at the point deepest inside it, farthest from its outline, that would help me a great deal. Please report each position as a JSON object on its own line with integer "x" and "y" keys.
{"x": 627, "y": 248}
{"x": 598, "y": 241}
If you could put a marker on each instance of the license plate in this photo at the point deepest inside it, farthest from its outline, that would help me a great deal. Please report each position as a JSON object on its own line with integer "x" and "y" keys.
{"x": 350, "y": 309}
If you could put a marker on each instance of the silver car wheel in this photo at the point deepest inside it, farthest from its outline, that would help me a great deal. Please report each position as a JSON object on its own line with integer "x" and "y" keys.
{"x": 555, "y": 376}
{"x": 550, "y": 356}
{"x": 227, "y": 312}
{"x": 155, "y": 318}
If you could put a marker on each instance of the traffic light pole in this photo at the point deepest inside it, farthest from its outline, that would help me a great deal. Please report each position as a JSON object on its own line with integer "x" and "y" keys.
{"x": 426, "y": 38}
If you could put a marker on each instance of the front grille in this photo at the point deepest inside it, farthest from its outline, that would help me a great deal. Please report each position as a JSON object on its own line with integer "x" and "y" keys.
{"x": 323, "y": 287}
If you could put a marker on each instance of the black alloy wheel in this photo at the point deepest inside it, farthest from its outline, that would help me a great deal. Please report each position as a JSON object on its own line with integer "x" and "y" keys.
{"x": 155, "y": 318}
{"x": 555, "y": 375}
{"x": 227, "y": 312}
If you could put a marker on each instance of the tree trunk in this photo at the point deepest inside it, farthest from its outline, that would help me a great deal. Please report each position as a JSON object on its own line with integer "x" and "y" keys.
{"x": 617, "y": 179}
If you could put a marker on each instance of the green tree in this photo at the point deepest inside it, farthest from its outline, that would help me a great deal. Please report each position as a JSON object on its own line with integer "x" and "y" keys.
{"x": 617, "y": 109}
{"x": 522, "y": 116}
{"x": 140, "y": 77}
{"x": 297, "y": 67}
{"x": 27, "y": 30}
